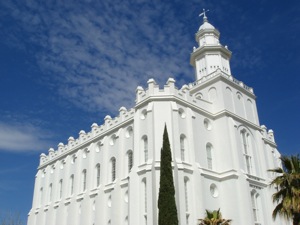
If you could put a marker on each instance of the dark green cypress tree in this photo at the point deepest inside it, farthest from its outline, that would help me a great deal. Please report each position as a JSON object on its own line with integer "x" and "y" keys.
{"x": 167, "y": 214}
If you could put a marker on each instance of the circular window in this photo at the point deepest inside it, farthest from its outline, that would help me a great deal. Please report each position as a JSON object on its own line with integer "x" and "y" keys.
{"x": 214, "y": 190}
{"x": 181, "y": 113}
{"x": 144, "y": 114}
{"x": 207, "y": 124}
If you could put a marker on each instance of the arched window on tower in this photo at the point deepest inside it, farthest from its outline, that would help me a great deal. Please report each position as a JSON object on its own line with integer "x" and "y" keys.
{"x": 255, "y": 207}
{"x": 246, "y": 147}
{"x": 97, "y": 175}
{"x": 144, "y": 184}
{"x": 50, "y": 192}
{"x": 71, "y": 184}
{"x": 145, "y": 147}
{"x": 41, "y": 196}
{"x": 209, "y": 156}
{"x": 182, "y": 147}
{"x": 113, "y": 169}
{"x": 130, "y": 160}
{"x": 186, "y": 196}
{"x": 84, "y": 180}
{"x": 60, "y": 188}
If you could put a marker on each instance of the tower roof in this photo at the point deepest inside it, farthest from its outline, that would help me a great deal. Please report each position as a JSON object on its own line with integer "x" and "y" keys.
{"x": 206, "y": 24}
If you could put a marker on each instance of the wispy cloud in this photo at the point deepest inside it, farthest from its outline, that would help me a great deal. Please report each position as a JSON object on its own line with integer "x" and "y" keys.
{"x": 22, "y": 137}
{"x": 98, "y": 52}
{"x": 95, "y": 53}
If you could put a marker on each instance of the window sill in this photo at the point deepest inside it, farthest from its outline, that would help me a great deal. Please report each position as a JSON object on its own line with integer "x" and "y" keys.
{"x": 68, "y": 200}
{"x": 94, "y": 191}
{"x": 80, "y": 196}
{"x": 56, "y": 204}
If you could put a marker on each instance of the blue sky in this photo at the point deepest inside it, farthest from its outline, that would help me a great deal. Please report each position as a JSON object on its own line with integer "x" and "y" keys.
{"x": 66, "y": 64}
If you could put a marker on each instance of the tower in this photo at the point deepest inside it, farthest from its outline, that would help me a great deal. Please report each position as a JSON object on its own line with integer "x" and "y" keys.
{"x": 210, "y": 55}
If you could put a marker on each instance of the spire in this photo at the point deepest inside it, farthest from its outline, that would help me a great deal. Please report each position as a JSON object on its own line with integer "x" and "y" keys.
{"x": 210, "y": 55}
{"x": 204, "y": 15}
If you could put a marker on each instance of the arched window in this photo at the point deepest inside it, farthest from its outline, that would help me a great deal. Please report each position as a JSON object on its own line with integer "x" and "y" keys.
{"x": 113, "y": 169}
{"x": 182, "y": 147}
{"x": 246, "y": 148}
{"x": 255, "y": 206}
{"x": 50, "y": 192}
{"x": 145, "y": 194}
{"x": 97, "y": 175}
{"x": 130, "y": 160}
{"x": 60, "y": 188}
{"x": 145, "y": 147}
{"x": 209, "y": 156}
{"x": 186, "y": 196}
{"x": 71, "y": 184}
{"x": 144, "y": 188}
{"x": 84, "y": 180}
{"x": 41, "y": 196}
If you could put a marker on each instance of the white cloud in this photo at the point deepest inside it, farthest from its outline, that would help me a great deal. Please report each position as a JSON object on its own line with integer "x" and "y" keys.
{"x": 96, "y": 54}
{"x": 22, "y": 137}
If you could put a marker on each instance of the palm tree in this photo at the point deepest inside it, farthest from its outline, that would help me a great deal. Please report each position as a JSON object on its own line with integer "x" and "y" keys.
{"x": 287, "y": 184}
{"x": 213, "y": 218}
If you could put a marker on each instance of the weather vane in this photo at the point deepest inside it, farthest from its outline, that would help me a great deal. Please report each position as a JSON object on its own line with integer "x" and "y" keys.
{"x": 204, "y": 14}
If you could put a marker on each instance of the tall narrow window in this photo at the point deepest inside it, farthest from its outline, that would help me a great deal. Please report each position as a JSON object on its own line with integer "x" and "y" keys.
{"x": 182, "y": 147}
{"x": 97, "y": 175}
{"x": 144, "y": 197}
{"x": 72, "y": 184}
{"x": 130, "y": 160}
{"x": 145, "y": 146}
{"x": 254, "y": 197}
{"x": 50, "y": 192}
{"x": 186, "y": 194}
{"x": 41, "y": 196}
{"x": 113, "y": 169}
{"x": 209, "y": 156}
{"x": 84, "y": 180}
{"x": 245, "y": 141}
{"x": 60, "y": 188}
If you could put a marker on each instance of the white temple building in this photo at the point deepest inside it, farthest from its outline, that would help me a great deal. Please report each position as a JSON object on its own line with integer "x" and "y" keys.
{"x": 221, "y": 153}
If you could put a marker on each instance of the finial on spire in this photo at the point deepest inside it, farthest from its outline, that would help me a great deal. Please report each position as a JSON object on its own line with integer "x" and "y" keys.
{"x": 204, "y": 15}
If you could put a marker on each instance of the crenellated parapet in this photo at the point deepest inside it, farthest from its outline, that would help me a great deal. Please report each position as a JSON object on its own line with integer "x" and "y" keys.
{"x": 218, "y": 73}
{"x": 170, "y": 90}
{"x": 86, "y": 137}
{"x": 267, "y": 134}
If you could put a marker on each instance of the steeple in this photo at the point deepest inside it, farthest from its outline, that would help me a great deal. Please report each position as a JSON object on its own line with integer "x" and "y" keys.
{"x": 210, "y": 55}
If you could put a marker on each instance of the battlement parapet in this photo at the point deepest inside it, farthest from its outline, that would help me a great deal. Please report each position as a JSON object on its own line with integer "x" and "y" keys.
{"x": 169, "y": 90}
{"x": 218, "y": 72}
{"x": 269, "y": 135}
{"x": 83, "y": 138}
{"x": 153, "y": 90}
